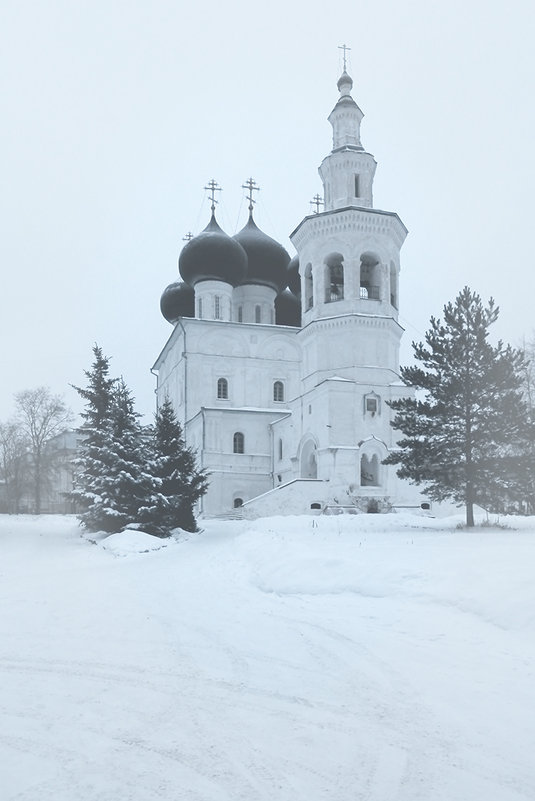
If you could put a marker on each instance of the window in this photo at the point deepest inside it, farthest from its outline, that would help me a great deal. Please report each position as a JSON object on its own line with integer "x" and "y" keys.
{"x": 334, "y": 277}
{"x": 278, "y": 391}
{"x": 309, "y": 288}
{"x": 238, "y": 442}
{"x": 257, "y": 314}
{"x": 357, "y": 186}
{"x": 371, "y": 405}
{"x": 217, "y": 307}
{"x": 199, "y": 308}
{"x": 222, "y": 389}
{"x": 238, "y": 502}
{"x": 280, "y": 451}
{"x": 240, "y": 314}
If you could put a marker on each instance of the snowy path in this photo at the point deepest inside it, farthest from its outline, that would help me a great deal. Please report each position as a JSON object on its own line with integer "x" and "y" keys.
{"x": 291, "y": 659}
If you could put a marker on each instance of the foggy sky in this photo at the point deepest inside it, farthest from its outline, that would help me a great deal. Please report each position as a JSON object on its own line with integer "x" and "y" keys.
{"x": 116, "y": 114}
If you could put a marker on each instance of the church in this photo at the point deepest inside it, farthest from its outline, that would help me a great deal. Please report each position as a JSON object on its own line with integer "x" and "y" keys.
{"x": 280, "y": 369}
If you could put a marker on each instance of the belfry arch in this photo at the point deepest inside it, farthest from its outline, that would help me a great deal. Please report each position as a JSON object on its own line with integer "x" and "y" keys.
{"x": 370, "y": 277}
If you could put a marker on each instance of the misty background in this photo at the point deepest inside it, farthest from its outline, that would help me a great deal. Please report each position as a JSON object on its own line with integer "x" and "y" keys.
{"x": 116, "y": 114}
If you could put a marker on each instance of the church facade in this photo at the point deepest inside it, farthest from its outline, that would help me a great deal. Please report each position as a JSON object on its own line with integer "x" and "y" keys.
{"x": 280, "y": 370}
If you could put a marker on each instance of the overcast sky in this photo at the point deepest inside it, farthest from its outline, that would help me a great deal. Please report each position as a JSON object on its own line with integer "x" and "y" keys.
{"x": 115, "y": 115}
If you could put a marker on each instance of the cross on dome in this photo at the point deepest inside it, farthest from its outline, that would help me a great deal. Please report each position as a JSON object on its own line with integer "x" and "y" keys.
{"x": 345, "y": 48}
{"x": 317, "y": 201}
{"x": 250, "y": 185}
{"x": 213, "y": 187}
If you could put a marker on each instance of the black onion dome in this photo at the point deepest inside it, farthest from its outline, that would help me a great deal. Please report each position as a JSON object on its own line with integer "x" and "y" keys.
{"x": 294, "y": 279}
{"x": 287, "y": 309}
{"x": 212, "y": 256}
{"x": 178, "y": 300}
{"x": 267, "y": 260}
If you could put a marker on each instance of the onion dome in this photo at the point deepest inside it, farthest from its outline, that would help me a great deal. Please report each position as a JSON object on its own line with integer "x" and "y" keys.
{"x": 267, "y": 260}
{"x": 287, "y": 309}
{"x": 345, "y": 83}
{"x": 178, "y": 300}
{"x": 294, "y": 279}
{"x": 212, "y": 256}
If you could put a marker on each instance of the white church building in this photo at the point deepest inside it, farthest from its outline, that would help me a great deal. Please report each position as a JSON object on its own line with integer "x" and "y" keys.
{"x": 280, "y": 369}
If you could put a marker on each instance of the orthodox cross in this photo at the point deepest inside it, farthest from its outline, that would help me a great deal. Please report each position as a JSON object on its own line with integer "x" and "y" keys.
{"x": 345, "y": 48}
{"x": 317, "y": 201}
{"x": 188, "y": 236}
{"x": 252, "y": 187}
{"x": 213, "y": 187}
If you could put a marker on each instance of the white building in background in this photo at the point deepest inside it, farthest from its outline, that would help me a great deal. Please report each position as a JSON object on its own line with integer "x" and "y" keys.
{"x": 280, "y": 370}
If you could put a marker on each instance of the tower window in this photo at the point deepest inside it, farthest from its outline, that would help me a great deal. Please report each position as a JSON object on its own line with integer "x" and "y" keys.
{"x": 278, "y": 391}
{"x": 199, "y": 308}
{"x": 238, "y": 442}
{"x": 257, "y": 314}
{"x": 309, "y": 288}
{"x": 222, "y": 389}
{"x": 217, "y": 307}
{"x": 240, "y": 314}
{"x": 357, "y": 185}
{"x": 334, "y": 278}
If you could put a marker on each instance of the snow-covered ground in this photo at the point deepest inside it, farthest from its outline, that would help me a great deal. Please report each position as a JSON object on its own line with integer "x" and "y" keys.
{"x": 369, "y": 658}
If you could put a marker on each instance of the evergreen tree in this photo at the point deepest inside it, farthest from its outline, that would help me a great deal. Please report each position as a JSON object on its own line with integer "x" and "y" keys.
{"x": 467, "y": 425}
{"x": 180, "y": 483}
{"x": 112, "y": 483}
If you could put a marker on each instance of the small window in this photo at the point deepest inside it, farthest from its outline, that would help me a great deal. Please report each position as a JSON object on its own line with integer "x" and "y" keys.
{"x": 238, "y": 442}
{"x": 238, "y": 502}
{"x": 199, "y": 308}
{"x": 240, "y": 314}
{"x": 315, "y": 505}
{"x": 280, "y": 451}
{"x": 222, "y": 389}
{"x": 278, "y": 391}
{"x": 425, "y": 506}
{"x": 217, "y": 307}
{"x": 371, "y": 405}
{"x": 257, "y": 314}
{"x": 357, "y": 186}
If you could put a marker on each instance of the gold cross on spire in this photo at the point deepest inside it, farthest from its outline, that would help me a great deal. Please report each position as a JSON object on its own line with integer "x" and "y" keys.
{"x": 213, "y": 187}
{"x": 252, "y": 187}
{"x": 345, "y": 48}
{"x": 317, "y": 201}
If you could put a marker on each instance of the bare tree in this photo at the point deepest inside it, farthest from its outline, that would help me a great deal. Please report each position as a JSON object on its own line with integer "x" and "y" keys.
{"x": 14, "y": 448}
{"x": 41, "y": 415}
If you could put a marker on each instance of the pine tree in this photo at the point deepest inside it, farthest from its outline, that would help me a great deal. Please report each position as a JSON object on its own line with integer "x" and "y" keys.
{"x": 463, "y": 436}
{"x": 180, "y": 483}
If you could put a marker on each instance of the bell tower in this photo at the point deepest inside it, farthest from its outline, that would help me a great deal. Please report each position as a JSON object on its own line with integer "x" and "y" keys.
{"x": 349, "y": 260}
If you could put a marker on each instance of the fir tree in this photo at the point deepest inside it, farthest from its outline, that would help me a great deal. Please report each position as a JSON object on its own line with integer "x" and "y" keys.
{"x": 112, "y": 482}
{"x": 180, "y": 483}
{"x": 463, "y": 436}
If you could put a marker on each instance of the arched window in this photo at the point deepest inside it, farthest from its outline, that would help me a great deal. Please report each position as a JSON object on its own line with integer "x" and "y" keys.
{"x": 217, "y": 307}
{"x": 278, "y": 391}
{"x": 309, "y": 288}
{"x": 238, "y": 442}
{"x": 370, "y": 277}
{"x": 240, "y": 314}
{"x": 257, "y": 314}
{"x": 199, "y": 308}
{"x": 222, "y": 389}
{"x": 393, "y": 286}
{"x": 238, "y": 502}
{"x": 369, "y": 471}
{"x": 334, "y": 278}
